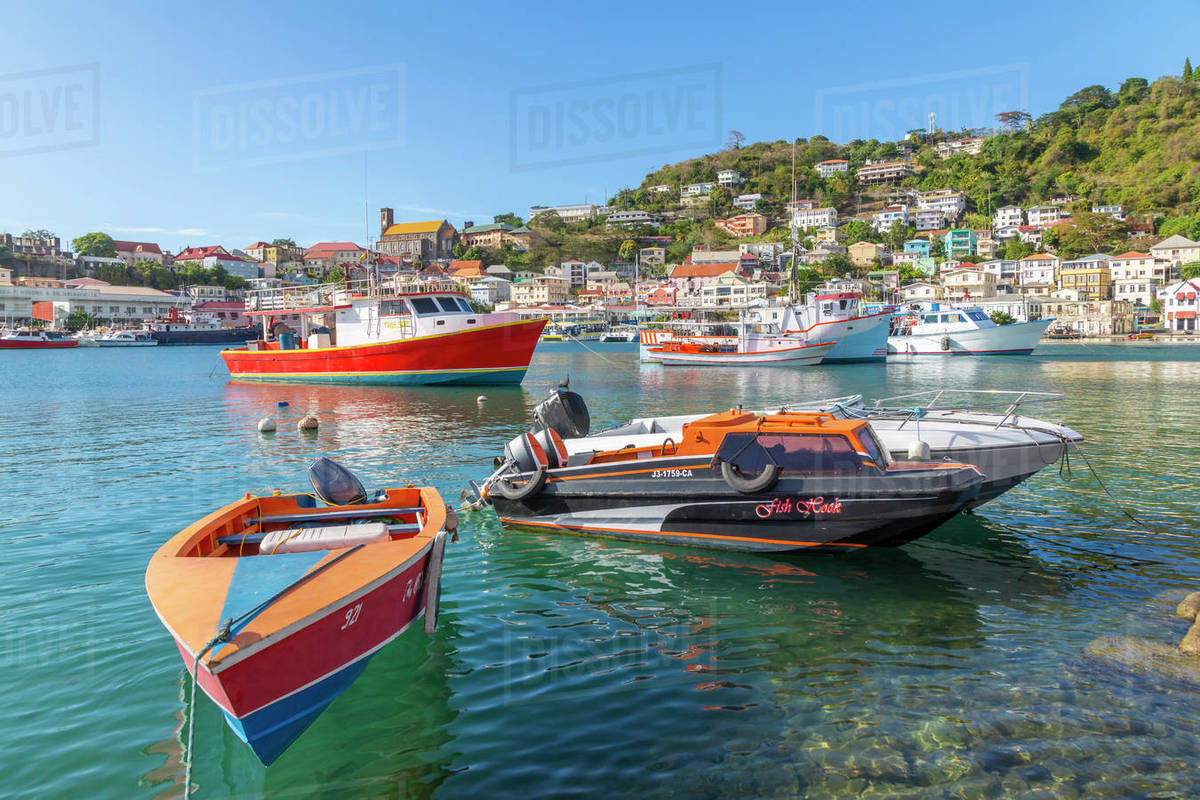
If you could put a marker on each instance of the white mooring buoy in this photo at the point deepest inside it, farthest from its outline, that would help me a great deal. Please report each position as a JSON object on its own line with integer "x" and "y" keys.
{"x": 307, "y": 423}
{"x": 481, "y": 399}
{"x": 266, "y": 425}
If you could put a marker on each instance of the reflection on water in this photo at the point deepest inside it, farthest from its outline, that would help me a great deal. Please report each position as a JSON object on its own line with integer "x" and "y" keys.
{"x": 947, "y": 668}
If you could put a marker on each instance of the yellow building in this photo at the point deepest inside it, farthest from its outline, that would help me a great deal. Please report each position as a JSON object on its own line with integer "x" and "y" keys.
{"x": 1092, "y": 283}
{"x": 541, "y": 290}
{"x": 863, "y": 254}
{"x": 429, "y": 240}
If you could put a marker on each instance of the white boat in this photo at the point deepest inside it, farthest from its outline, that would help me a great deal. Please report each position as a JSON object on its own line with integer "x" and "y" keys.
{"x": 827, "y": 315}
{"x": 86, "y": 339}
{"x": 620, "y": 334}
{"x": 979, "y": 427}
{"x": 127, "y": 339}
{"x": 775, "y": 351}
{"x": 962, "y": 332}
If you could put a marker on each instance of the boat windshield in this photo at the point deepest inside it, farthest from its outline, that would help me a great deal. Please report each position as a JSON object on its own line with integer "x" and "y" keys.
{"x": 878, "y": 453}
{"x": 792, "y": 452}
{"x": 978, "y": 316}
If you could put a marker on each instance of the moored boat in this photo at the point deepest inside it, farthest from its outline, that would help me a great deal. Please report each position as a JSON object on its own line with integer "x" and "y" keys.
{"x": 962, "y": 332}
{"x": 736, "y": 480}
{"x": 748, "y": 351}
{"x": 127, "y": 339}
{"x": 277, "y": 602}
{"x": 420, "y": 333}
{"x": 36, "y": 340}
{"x": 986, "y": 428}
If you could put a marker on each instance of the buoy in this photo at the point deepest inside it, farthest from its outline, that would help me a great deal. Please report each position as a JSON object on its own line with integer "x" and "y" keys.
{"x": 918, "y": 451}
{"x": 282, "y": 403}
{"x": 481, "y": 399}
{"x": 307, "y": 423}
{"x": 266, "y": 425}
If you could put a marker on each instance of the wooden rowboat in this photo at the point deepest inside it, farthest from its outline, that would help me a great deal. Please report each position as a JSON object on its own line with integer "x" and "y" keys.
{"x": 283, "y": 600}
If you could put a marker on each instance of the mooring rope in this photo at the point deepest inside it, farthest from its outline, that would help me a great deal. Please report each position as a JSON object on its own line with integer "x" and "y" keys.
{"x": 590, "y": 350}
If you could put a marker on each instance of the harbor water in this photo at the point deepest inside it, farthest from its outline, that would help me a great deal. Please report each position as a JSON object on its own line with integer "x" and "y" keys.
{"x": 566, "y": 666}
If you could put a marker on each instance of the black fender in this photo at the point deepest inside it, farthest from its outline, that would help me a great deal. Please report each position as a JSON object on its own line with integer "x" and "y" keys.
{"x": 534, "y": 485}
{"x": 742, "y": 485}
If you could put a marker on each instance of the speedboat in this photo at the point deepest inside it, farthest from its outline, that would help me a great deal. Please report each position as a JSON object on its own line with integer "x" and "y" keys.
{"x": 986, "y": 428}
{"x": 127, "y": 339}
{"x": 962, "y": 332}
{"x": 36, "y": 340}
{"x": 736, "y": 480}
{"x": 620, "y": 334}
{"x": 277, "y": 602}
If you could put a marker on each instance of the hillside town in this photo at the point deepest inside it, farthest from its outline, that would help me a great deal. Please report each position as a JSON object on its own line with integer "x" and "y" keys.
{"x": 899, "y": 245}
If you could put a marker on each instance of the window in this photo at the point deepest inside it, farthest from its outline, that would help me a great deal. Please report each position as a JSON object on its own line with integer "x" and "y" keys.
{"x": 393, "y": 308}
{"x": 424, "y": 305}
{"x": 448, "y": 304}
{"x": 803, "y": 452}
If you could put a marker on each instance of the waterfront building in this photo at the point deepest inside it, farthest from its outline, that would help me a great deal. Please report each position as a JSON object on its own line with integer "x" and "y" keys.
{"x": 541, "y": 290}
{"x": 1072, "y": 309}
{"x": 1180, "y": 303}
{"x": 1138, "y": 277}
{"x": 429, "y": 240}
{"x": 691, "y": 278}
{"x": 831, "y": 167}
{"x": 491, "y": 290}
{"x": 920, "y": 292}
{"x": 731, "y": 290}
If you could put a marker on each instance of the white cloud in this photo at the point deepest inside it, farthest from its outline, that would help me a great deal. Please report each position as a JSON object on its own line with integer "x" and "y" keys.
{"x": 167, "y": 231}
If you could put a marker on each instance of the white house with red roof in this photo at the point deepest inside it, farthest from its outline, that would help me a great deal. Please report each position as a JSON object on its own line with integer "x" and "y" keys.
{"x": 1180, "y": 303}
{"x": 217, "y": 256}
{"x": 133, "y": 253}
{"x": 333, "y": 254}
{"x": 691, "y": 278}
{"x": 1138, "y": 277}
{"x": 1038, "y": 273}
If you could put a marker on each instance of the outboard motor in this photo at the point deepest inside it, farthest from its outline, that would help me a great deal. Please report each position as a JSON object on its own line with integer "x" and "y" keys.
{"x": 563, "y": 412}
{"x": 525, "y": 453}
{"x": 335, "y": 484}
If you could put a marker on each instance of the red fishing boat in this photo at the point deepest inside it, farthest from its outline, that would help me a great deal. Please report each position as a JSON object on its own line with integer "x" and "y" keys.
{"x": 390, "y": 333}
{"x": 36, "y": 340}
{"x": 277, "y": 602}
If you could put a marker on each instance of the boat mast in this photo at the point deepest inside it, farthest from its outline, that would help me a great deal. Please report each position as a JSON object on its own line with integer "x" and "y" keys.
{"x": 792, "y": 273}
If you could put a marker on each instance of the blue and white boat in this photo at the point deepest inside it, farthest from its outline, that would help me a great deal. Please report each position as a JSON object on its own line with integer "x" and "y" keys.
{"x": 961, "y": 332}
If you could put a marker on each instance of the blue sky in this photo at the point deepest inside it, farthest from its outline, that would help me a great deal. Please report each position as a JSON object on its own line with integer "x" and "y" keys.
{"x": 228, "y": 122}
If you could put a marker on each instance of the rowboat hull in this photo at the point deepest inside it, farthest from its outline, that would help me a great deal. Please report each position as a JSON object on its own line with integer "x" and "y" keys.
{"x": 53, "y": 344}
{"x": 495, "y": 354}
{"x": 279, "y": 635}
{"x": 272, "y": 696}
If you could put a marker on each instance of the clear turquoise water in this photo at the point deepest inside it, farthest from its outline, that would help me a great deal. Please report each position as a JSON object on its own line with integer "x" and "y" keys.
{"x": 573, "y": 667}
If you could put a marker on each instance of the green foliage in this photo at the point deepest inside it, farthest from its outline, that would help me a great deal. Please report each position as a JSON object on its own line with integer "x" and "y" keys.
{"x": 1002, "y": 318}
{"x": 838, "y": 265}
{"x": 80, "y": 319}
{"x": 40, "y": 235}
{"x": 1190, "y": 270}
{"x": 1187, "y": 225}
{"x": 337, "y": 275}
{"x": 284, "y": 242}
{"x": 1015, "y": 249}
{"x": 859, "y": 231}
{"x": 508, "y": 217}
{"x": 94, "y": 244}
{"x": 1187, "y": 69}
{"x": 628, "y": 250}
{"x": 474, "y": 253}
{"x": 1156, "y": 305}
{"x": 5, "y": 254}
{"x": 1087, "y": 233}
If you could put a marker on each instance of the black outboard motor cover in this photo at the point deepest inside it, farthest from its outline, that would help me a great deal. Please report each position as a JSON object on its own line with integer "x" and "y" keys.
{"x": 335, "y": 484}
{"x": 565, "y": 412}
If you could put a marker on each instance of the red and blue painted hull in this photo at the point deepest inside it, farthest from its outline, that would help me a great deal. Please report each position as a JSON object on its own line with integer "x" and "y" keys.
{"x": 494, "y": 354}
{"x": 273, "y": 693}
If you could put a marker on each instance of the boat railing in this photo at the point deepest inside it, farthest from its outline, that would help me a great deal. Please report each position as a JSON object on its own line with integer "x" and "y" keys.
{"x": 289, "y": 298}
{"x": 1005, "y": 402}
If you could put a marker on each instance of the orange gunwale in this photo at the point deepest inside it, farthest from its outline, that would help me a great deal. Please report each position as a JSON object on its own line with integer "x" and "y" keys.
{"x": 188, "y": 577}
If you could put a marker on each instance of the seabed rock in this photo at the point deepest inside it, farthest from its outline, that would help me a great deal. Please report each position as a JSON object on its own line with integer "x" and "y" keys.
{"x": 1189, "y": 607}
{"x": 1171, "y": 597}
{"x": 1146, "y": 657}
